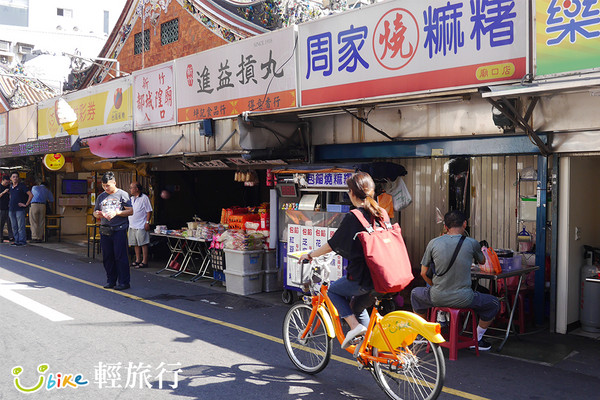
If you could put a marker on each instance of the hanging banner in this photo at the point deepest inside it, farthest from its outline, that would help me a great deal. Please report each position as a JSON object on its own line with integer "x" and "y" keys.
{"x": 54, "y": 162}
{"x": 255, "y": 74}
{"x": 153, "y": 94}
{"x": 411, "y": 46}
{"x": 567, "y": 36}
{"x": 100, "y": 110}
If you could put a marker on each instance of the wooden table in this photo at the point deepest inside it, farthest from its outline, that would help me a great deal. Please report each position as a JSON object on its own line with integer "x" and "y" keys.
{"x": 476, "y": 274}
{"x": 187, "y": 248}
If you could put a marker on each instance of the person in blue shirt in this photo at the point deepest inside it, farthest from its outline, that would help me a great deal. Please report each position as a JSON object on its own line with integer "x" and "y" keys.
{"x": 37, "y": 212}
{"x": 20, "y": 199}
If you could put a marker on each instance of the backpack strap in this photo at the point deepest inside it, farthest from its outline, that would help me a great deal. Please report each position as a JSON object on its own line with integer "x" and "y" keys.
{"x": 383, "y": 221}
{"x": 361, "y": 218}
{"x": 456, "y": 250}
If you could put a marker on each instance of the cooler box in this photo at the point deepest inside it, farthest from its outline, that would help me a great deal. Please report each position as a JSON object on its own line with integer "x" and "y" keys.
{"x": 244, "y": 262}
{"x": 243, "y": 284}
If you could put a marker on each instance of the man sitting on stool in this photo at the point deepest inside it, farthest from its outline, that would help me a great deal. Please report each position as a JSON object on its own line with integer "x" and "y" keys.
{"x": 452, "y": 287}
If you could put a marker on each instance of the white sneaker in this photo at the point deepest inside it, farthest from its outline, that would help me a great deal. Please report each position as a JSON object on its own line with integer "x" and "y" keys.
{"x": 351, "y": 335}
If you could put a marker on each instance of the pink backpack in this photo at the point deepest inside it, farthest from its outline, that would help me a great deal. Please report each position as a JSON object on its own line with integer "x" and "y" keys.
{"x": 385, "y": 254}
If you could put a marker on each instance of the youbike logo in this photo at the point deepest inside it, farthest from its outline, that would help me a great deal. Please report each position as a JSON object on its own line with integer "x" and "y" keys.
{"x": 58, "y": 380}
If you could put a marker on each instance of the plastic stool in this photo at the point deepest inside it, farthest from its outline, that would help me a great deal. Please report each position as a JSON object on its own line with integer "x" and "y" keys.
{"x": 520, "y": 304}
{"x": 456, "y": 340}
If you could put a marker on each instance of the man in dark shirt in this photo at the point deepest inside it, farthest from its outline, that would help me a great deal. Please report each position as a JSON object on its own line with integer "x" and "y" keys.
{"x": 113, "y": 206}
{"x": 4, "y": 219}
{"x": 20, "y": 199}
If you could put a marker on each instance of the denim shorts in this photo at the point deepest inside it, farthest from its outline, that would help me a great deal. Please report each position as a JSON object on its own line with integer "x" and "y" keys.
{"x": 485, "y": 305}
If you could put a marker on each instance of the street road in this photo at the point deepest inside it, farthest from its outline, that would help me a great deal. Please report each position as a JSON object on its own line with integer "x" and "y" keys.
{"x": 167, "y": 338}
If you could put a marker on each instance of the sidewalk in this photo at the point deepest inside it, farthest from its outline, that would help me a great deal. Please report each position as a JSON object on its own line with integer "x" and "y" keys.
{"x": 577, "y": 352}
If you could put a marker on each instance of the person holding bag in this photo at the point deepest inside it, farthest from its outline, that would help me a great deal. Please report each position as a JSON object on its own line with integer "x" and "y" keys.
{"x": 452, "y": 255}
{"x": 358, "y": 282}
{"x": 112, "y": 208}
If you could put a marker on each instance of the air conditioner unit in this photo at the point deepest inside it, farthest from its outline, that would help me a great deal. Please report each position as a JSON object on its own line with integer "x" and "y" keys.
{"x": 23, "y": 49}
{"x": 4, "y": 45}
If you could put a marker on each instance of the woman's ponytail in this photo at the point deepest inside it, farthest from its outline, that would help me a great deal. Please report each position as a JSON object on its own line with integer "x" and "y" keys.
{"x": 362, "y": 186}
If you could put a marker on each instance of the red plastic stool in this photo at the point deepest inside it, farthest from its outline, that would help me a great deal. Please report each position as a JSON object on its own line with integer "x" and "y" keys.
{"x": 456, "y": 340}
{"x": 520, "y": 304}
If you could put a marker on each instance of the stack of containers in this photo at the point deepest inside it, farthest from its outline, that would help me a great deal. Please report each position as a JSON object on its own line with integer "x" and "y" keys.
{"x": 273, "y": 276}
{"x": 244, "y": 272}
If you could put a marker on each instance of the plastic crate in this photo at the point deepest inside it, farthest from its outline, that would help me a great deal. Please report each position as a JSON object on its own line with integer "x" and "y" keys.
{"x": 510, "y": 263}
{"x": 244, "y": 262}
{"x": 338, "y": 208}
{"x": 218, "y": 275}
{"x": 217, "y": 259}
{"x": 273, "y": 280}
{"x": 244, "y": 284}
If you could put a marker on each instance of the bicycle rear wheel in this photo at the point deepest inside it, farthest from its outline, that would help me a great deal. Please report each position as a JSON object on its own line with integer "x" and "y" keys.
{"x": 312, "y": 353}
{"x": 418, "y": 374}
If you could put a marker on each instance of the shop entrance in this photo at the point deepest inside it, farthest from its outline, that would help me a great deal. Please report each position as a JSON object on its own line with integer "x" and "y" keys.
{"x": 579, "y": 225}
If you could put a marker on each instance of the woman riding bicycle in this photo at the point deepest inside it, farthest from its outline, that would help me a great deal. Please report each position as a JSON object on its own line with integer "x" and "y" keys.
{"x": 357, "y": 282}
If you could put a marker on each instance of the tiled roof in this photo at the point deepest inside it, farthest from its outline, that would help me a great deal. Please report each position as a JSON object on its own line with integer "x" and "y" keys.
{"x": 22, "y": 91}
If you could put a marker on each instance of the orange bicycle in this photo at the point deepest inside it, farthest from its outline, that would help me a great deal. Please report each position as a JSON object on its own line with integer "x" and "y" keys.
{"x": 404, "y": 365}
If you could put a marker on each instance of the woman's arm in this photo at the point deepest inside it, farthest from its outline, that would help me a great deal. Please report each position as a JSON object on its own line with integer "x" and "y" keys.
{"x": 326, "y": 248}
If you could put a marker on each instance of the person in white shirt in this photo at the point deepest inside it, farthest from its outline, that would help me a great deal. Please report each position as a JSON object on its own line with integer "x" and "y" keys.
{"x": 139, "y": 225}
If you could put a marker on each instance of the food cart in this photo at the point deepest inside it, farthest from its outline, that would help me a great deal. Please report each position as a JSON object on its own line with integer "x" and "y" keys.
{"x": 311, "y": 206}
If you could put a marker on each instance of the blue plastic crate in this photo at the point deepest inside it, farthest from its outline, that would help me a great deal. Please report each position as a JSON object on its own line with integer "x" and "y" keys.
{"x": 219, "y": 275}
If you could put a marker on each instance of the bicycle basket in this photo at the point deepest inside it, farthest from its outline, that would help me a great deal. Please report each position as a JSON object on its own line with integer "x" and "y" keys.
{"x": 314, "y": 273}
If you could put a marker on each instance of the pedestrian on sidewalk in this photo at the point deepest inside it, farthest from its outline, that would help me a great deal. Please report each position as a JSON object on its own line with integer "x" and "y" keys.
{"x": 4, "y": 219}
{"x": 139, "y": 225}
{"x": 20, "y": 199}
{"x": 112, "y": 208}
{"x": 37, "y": 212}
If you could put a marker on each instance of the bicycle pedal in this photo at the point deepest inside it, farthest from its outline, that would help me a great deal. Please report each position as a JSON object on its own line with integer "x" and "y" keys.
{"x": 357, "y": 348}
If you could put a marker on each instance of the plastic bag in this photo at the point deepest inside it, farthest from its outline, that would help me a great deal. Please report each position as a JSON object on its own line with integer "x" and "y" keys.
{"x": 492, "y": 263}
{"x": 399, "y": 192}
{"x": 386, "y": 202}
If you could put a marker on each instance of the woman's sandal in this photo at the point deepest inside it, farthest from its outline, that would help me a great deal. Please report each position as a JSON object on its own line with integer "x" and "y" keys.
{"x": 135, "y": 264}
{"x": 142, "y": 265}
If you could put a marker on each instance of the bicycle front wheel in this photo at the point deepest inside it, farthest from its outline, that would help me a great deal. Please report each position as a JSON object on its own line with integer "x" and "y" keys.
{"x": 311, "y": 353}
{"x": 417, "y": 374}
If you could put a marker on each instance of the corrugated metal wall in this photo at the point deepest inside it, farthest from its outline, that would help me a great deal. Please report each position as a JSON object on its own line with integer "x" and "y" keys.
{"x": 494, "y": 198}
{"x": 427, "y": 182}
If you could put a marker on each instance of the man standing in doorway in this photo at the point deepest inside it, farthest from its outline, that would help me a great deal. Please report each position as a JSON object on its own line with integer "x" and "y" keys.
{"x": 139, "y": 225}
{"x": 4, "y": 219}
{"x": 20, "y": 199}
{"x": 113, "y": 206}
{"x": 37, "y": 212}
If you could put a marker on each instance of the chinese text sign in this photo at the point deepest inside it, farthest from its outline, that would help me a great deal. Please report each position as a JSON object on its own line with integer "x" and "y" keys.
{"x": 153, "y": 94}
{"x": 567, "y": 36}
{"x": 256, "y": 74}
{"x": 412, "y": 46}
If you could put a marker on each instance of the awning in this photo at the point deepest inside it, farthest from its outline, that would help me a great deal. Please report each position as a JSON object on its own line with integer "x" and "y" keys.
{"x": 159, "y": 157}
{"x": 406, "y": 100}
{"x": 543, "y": 87}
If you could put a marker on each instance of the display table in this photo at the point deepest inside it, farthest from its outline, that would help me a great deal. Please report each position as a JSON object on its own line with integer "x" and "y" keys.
{"x": 521, "y": 273}
{"x": 187, "y": 248}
